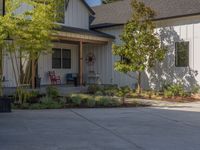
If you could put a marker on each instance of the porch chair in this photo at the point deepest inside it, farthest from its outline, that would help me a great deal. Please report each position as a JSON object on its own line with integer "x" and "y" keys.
{"x": 71, "y": 78}
{"x": 54, "y": 79}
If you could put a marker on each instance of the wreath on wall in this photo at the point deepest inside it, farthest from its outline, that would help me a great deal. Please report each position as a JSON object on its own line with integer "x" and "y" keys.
{"x": 90, "y": 59}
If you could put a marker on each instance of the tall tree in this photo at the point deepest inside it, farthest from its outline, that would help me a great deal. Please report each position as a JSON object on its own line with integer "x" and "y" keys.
{"x": 141, "y": 46}
{"x": 109, "y": 1}
{"x": 30, "y": 30}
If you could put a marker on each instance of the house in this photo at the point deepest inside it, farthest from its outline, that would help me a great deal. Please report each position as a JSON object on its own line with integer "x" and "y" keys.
{"x": 178, "y": 23}
{"x": 84, "y": 44}
{"x": 77, "y": 50}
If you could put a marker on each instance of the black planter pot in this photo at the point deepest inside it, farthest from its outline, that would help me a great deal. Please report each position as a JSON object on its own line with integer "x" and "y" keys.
{"x": 5, "y": 104}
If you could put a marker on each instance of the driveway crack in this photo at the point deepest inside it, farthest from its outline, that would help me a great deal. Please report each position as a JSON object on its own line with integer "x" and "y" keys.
{"x": 108, "y": 130}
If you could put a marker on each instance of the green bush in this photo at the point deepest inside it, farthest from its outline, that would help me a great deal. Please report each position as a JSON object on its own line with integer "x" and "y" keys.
{"x": 108, "y": 102}
{"x": 24, "y": 96}
{"x": 103, "y": 101}
{"x": 90, "y": 102}
{"x": 195, "y": 89}
{"x": 75, "y": 100}
{"x": 168, "y": 94}
{"x": 92, "y": 89}
{"x": 123, "y": 92}
{"x": 175, "y": 90}
{"x": 24, "y": 106}
{"x": 115, "y": 102}
{"x": 49, "y": 103}
{"x": 52, "y": 91}
{"x": 99, "y": 93}
{"x": 110, "y": 90}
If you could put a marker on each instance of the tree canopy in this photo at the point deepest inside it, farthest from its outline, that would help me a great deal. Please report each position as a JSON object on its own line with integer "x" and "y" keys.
{"x": 30, "y": 30}
{"x": 141, "y": 46}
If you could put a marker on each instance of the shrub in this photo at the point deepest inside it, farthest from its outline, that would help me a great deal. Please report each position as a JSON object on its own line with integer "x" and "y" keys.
{"x": 24, "y": 106}
{"x": 92, "y": 89}
{"x": 82, "y": 99}
{"x": 99, "y": 93}
{"x": 195, "y": 89}
{"x": 90, "y": 102}
{"x": 175, "y": 90}
{"x": 52, "y": 91}
{"x": 110, "y": 90}
{"x": 49, "y": 103}
{"x": 24, "y": 96}
{"x": 123, "y": 92}
{"x": 108, "y": 102}
{"x": 115, "y": 102}
{"x": 168, "y": 94}
{"x": 75, "y": 100}
{"x": 103, "y": 101}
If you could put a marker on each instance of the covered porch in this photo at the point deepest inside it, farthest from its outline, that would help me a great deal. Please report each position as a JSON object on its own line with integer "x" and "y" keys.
{"x": 85, "y": 54}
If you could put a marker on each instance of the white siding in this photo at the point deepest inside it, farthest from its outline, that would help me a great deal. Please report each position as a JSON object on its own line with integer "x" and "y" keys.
{"x": 8, "y": 71}
{"x": 77, "y": 15}
{"x": 103, "y": 62}
{"x": 120, "y": 79}
{"x": 171, "y": 31}
{"x": 101, "y": 66}
{"x": 45, "y": 64}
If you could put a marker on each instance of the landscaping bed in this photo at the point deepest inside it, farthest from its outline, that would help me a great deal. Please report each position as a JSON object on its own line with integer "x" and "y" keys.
{"x": 101, "y": 97}
{"x": 52, "y": 100}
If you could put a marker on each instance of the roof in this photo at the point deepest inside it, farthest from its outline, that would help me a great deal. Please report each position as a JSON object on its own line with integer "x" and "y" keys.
{"x": 88, "y": 7}
{"x": 84, "y": 31}
{"x": 119, "y": 13}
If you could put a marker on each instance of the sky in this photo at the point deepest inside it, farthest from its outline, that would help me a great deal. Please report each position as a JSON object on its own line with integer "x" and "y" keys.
{"x": 93, "y": 2}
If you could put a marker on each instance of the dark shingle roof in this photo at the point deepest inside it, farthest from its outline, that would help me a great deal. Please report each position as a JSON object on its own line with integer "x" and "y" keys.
{"x": 120, "y": 12}
{"x": 84, "y": 31}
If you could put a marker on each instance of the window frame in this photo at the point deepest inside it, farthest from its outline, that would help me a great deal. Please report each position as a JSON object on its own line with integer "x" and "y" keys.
{"x": 53, "y": 58}
{"x": 62, "y": 58}
{"x": 68, "y": 59}
{"x": 176, "y": 54}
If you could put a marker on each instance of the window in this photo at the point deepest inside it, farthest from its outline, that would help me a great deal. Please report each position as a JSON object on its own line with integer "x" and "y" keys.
{"x": 61, "y": 58}
{"x": 182, "y": 54}
{"x": 56, "y": 58}
{"x": 61, "y": 11}
{"x": 66, "y": 58}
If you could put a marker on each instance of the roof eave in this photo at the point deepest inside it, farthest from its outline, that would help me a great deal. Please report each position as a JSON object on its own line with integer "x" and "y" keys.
{"x": 100, "y": 26}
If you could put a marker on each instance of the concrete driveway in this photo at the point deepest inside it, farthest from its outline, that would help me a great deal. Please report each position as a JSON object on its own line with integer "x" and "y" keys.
{"x": 101, "y": 129}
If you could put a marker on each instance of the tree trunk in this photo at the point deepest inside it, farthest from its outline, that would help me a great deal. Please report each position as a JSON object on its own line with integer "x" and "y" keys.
{"x": 33, "y": 74}
{"x": 139, "y": 88}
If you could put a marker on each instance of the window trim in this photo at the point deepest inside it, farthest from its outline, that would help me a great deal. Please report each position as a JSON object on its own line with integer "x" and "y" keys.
{"x": 61, "y": 58}
{"x": 176, "y": 54}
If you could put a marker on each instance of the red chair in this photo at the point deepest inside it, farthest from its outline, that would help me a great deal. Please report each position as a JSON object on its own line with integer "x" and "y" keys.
{"x": 54, "y": 79}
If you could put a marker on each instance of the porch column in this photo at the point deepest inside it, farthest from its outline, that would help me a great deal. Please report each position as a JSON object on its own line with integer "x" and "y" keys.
{"x": 81, "y": 63}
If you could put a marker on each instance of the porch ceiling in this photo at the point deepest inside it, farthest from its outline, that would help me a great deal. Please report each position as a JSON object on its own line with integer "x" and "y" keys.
{"x": 86, "y": 36}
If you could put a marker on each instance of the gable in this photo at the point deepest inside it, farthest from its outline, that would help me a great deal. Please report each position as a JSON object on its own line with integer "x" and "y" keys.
{"x": 77, "y": 14}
